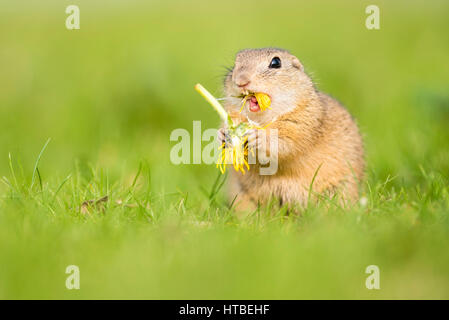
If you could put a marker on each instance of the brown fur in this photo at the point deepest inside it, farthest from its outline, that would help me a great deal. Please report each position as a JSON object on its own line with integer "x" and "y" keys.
{"x": 316, "y": 135}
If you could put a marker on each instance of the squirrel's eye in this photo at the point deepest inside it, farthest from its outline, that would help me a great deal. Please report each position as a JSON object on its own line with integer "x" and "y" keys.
{"x": 275, "y": 63}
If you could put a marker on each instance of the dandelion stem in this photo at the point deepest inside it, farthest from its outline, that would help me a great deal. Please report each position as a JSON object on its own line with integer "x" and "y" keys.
{"x": 214, "y": 102}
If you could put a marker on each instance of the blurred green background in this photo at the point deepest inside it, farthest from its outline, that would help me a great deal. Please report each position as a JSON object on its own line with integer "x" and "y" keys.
{"x": 108, "y": 96}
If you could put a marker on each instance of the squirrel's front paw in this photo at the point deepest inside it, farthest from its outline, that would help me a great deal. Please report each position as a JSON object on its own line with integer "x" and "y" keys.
{"x": 252, "y": 138}
{"x": 223, "y": 136}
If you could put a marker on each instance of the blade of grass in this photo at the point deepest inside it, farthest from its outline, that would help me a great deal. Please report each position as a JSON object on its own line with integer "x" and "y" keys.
{"x": 39, "y": 177}
{"x": 11, "y": 167}
{"x": 136, "y": 177}
{"x": 37, "y": 164}
{"x": 60, "y": 187}
{"x": 311, "y": 184}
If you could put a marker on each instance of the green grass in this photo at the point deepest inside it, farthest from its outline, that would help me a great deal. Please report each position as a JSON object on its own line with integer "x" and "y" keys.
{"x": 108, "y": 96}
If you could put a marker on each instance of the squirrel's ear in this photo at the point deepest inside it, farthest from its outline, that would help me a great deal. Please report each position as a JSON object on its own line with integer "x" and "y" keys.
{"x": 297, "y": 64}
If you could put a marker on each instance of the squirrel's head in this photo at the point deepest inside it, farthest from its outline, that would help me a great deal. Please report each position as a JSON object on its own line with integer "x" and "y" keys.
{"x": 271, "y": 71}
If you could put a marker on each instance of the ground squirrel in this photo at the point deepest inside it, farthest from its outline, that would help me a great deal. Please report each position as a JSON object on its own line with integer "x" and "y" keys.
{"x": 316, "y": 134}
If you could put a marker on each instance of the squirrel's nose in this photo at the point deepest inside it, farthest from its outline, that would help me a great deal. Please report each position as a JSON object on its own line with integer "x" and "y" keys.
{"x": 242, "y": 85}
{"x": 242, "y": 80}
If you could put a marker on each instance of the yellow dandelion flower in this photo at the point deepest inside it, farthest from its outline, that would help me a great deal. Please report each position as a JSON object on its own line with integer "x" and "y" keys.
{"x": 263, "y": 100}
{"x": 234, "y": 151}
